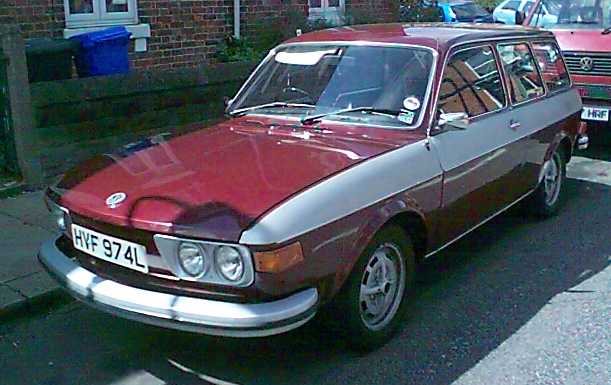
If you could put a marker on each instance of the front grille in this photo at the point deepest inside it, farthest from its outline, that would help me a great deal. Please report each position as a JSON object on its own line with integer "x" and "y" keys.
{"x": 577, "y": 63}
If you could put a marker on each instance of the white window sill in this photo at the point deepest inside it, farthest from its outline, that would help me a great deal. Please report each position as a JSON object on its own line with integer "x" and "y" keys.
{"x": 140, "y": 33}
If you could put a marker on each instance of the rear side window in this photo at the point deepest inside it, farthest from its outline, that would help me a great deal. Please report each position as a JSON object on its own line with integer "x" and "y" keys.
{"x": 512, "y": 5}
{"x": 525, "y": 83}
{"x": 552, "y": 66}
{"x": 471, "y": 83}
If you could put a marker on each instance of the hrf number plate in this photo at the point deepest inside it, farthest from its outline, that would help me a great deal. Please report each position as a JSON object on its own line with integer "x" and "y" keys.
{"x": 110, "y": 249}
{"x": 594, "y": 113}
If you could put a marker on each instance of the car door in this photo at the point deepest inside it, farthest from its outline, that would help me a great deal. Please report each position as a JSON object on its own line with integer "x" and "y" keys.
{"x": 558, "y": 111}
{"x": 532, "y": 117}
{"x": 481, "y": 162}
{"x": 506, "y": 13}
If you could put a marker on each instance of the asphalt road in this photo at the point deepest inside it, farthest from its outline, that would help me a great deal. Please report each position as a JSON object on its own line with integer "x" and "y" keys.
{"x": 519, "y": 301}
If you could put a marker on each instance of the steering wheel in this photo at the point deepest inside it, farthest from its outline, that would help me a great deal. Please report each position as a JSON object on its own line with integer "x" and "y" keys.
{"x": 299, "y": 91}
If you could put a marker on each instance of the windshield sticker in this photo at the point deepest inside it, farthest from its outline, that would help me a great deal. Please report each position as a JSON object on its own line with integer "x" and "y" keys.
{"x": 406, "y": 117}
{"x": 411, "y": 103}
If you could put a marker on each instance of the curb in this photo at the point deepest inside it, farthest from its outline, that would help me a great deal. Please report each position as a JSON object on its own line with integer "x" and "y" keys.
{"x": 36, "y": 305}
{"x": 7, "y": 192}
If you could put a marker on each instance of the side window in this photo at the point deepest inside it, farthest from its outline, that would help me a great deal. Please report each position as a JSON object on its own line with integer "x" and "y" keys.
{"x": 471, "y": 83}
{"x": 512, "y": 6}
{"x": 524, "y": 80}
{"x": 527, "y": 7}
{"x": 552, "y": 67}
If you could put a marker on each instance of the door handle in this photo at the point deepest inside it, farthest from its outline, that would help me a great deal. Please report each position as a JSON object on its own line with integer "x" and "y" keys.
{"x": 514, "y": 124}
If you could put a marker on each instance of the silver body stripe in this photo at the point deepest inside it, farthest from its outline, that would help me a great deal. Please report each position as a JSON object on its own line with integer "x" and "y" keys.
{"x": 345, "y": 193}
{"x": 492, "y": 132}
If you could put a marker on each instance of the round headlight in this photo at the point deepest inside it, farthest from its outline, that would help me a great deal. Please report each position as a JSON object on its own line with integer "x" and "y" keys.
{"x": 229, "y": 263}
{"x": 192, "y": 259}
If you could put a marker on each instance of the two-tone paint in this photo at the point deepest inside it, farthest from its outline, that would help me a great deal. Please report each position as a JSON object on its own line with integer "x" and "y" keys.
{"x": 267, "y": 181}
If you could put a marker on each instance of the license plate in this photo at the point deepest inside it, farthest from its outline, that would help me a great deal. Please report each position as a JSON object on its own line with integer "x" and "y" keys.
{"x": 110, "y": 249}
{"x": 594, "y": 113}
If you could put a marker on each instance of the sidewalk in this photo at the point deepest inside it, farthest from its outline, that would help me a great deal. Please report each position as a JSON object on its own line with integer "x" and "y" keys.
{"x": 24, "y": 225}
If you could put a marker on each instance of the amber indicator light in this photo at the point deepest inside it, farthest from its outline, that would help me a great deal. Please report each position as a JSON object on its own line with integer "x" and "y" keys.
{"x": 276, "y": 261}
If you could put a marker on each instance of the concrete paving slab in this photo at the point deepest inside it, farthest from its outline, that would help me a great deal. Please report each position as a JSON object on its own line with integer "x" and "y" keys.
{"x": 29, "y": 208}
{"x": 19, "y": 245}
{"x": 34, "y": 285}
{"x": 9, "y": 297}
{"x": 591, "y": 170}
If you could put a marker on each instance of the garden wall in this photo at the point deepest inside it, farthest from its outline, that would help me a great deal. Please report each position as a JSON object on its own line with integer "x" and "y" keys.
{"x": 77, "y": 118}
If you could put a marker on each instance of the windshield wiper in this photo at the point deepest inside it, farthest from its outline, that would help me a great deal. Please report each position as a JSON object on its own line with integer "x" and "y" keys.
{"x": 242, "y": 111}
{"x": 606, "y": 31}
{"x": 373, "y": 110}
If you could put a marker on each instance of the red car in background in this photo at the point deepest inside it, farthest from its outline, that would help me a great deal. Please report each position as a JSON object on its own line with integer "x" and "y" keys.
{"x": 583, "y": 30}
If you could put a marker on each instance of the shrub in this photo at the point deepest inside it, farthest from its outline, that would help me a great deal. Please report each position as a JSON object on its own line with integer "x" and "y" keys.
{"x": 232, "y": 49}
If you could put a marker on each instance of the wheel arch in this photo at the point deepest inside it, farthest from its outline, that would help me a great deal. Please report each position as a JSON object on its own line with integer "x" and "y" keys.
{"x": 409, "y": 219}
{"x": 415, "y": 227}
{"x": 563, "y": 142}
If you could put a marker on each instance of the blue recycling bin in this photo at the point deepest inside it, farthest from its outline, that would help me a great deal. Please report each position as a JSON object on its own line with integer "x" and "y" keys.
{"x": 103, "y": 52}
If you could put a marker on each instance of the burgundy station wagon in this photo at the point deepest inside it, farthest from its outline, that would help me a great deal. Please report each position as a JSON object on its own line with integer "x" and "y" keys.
{"x": 350, "y": 156}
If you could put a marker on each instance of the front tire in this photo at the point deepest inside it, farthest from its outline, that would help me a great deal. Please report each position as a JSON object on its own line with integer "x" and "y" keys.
{"x": 373, "y": 299}
{"x": 547, "y": 198}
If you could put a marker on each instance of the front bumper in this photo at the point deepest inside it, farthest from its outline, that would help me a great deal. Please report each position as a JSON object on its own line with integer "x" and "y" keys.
{"x": 178, "y": 312}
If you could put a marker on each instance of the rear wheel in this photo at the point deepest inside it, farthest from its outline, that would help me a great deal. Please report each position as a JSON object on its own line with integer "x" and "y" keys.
{"x": 372, "y": 301}
{"x": 547, "y": 198}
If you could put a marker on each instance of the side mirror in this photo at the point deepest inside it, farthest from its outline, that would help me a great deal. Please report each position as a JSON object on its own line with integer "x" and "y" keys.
{"x": 520, "y": 16}
{"x": 227, "y": 100}
{"x": 453, "y": 120}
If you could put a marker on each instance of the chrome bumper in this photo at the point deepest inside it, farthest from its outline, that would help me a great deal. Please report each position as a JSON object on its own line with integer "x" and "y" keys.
{"x": 178, "y": 312}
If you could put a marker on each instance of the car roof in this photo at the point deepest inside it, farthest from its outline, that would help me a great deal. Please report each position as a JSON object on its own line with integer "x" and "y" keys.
{"x": 439, "y": 36}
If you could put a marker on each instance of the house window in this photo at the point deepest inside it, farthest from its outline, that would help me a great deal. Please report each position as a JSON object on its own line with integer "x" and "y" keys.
{"x": 326, "y": 9}
{"x": 94, "y": 13}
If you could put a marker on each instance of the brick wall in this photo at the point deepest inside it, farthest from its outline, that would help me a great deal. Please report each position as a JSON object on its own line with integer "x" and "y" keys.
{"x": 382, "y": 10}
{"x": 184, "y": 33}
{"x": 36, "y": 18}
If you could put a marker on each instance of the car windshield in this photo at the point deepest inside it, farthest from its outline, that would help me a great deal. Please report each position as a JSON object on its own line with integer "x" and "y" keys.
{"x": 311, "y": 79}
{"x": 468, "y": 10}
{"x": 573, "y": 14}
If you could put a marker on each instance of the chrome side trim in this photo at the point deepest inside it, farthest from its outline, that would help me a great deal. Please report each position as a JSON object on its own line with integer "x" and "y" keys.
{"x": 479, "y": 224}
{"x": 339, "y": 196}
{"x": 178, "y": 312}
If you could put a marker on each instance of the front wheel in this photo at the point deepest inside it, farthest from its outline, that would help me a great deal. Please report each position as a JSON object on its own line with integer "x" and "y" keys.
{"x": 372, "y": 301}
{"x": 547, "y": 198}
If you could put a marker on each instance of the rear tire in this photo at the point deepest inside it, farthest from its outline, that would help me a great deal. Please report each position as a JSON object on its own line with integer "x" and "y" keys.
{"x": 547, "y": 198}
{"x": 372, "y": 302}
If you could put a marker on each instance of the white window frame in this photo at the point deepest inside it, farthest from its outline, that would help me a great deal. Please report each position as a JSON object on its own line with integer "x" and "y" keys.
{"x": 100, "y": 17}
{"x": 325, "y": 10}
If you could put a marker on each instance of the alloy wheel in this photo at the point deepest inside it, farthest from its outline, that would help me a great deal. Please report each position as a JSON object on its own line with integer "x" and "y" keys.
{"x": 382, "y": 286}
